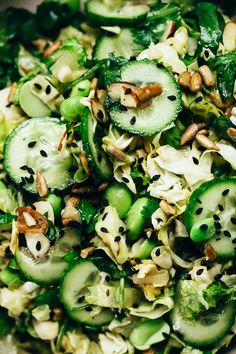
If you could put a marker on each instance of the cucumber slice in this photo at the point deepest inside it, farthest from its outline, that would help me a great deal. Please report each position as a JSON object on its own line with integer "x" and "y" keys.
{"x": 92, "y": 147}
{"x": 31, "y": 104}
{"x": 208, "y": 329}
{"x": 34, "y": 144}
{"x": 73, "y": 293}
{"x": 164, "y": 108}
{"x": 48, "y": 270}
{"x": 126, "y": 14}
{"x": 122, "y": 45}
{"x": 215, "y": 200}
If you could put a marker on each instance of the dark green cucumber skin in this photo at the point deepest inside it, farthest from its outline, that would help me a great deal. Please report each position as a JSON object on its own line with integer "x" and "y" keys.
{"x": 84, "y": 135}
{"x": 114, "y": 106}
{"x": 105, "y": 21}
{"x": 189, "y": 212}
{"x": 5, "y": 165}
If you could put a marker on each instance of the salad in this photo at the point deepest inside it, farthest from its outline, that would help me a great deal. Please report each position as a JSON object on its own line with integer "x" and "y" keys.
{"x": 118, "y": 178}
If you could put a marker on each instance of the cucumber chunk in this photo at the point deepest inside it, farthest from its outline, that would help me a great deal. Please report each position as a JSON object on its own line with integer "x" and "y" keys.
{"x": 126, "y": 14}
{"x": 92, "y": 147}
{"x": 73, "y": 290}
{"x": 163, "y": 109}
{"x": 122, "y": 45}
{"x": 215, "y": 200}
{"x": 33, "y": 146}
{"x": 47, "y": 271}
{"x": 208, "y": 329}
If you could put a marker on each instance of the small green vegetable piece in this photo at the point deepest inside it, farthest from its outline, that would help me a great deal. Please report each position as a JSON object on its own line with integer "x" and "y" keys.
{"x": 56, "y": 203}
{"x": 203, "y": 230}
{"x": 221, "y": 125}
{"x": 81, "y": 89}
{"x": 71, "y": 108}
{"x": 120, "y": 197}
{"x": 11, "y": 277}
{"x": 149, "y": 332}
{"x": 143, "y": 249}
{"x": 6, "y": 221}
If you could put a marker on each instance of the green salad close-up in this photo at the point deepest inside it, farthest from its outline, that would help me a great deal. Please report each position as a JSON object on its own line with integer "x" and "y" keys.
{"x": 118, "y": 178}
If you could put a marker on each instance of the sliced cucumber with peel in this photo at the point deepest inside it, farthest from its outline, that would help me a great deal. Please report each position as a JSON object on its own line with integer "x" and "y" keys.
{"x": 33, "y": 145}
{"x": 208, "y": 329}
{"x": 47, "y": 271}
{"x": 73, "y": 290}
{"x": 163, "y": 110}
{"x": 122, "y": 44}
{"x": 126, "y": 13}
{"x": 214, "y": 202}
{"x": 92, "y": 147}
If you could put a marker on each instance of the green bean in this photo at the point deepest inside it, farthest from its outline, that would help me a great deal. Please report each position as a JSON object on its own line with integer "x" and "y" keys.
{"x": 81, "y": 89}
{"x": 56, "y": 203}
{"x": 120, "y": 197}
{"x": 203, "y": 230}
{"x": 71, "y": 108}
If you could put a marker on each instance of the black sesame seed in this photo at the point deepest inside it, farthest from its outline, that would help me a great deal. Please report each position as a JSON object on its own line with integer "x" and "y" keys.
{"x": 198, "y": 211}
{"x": 233, "y": 220}
{"x": 30, "y": 170}
{"x": 38, "y": 246}
{"x": 155, "y": 178}
{"x": 88, "y": 309}
{"x": 37, "y": 86}
{"x": 104, "y": 216}
{"x": 218, "y": 276}
{"x": 133, "y": 120}
{"x": 101, "y": 210}
{"x": 195, "y": 160}
{"x": 158, "y": 252}
{"x": 128, "y": 91}
{"x": 165, "y": 335}
{"x": 140, "y": 160}
{"x": 56, "y": 191}
{"x": 121, "y": 229}
{"x": 159, "y": 220}
{"x": 43, "y": 153}
{"x": 218, "y": 225}
{"x": 24, "y": 168}
{"x": 124, "y": 232}
{"x": 100, "y": 114}
{"x": 206, "y": 53}
{"x": 117, "y": 238}
{"x": 234, "y": 240}
{"x": 199, "y": 201}
{"x": 135, "y": 306}
{"x": 105, "y": 202}
{"x": 104, "y": 229}
{"x": 138, "y": 261}
{"x": 218, "y": 239}
{"x": 107, "y": 292}
{"x": 7, "y": 250}
{"x": 81, "y": 299}
{"x": 132, "y": 58}
{"x": 125, "y": 179}
{"x": 123, "y": 108}
{"x": 32, "y": 144}
{"x": 216, "y": 217}
{"x": 171, "y": 98}
{"x": 227, "y": 233}
{"x": 22, "y": 240}
{"x": 33, "y": 207}
{"x": 204, "y": 227}
{"x": 220, "y": 207}
{"x": 48, "y": 90}
{"x": 30, "y": 179}
{"x": 107, "y": 278}
{"x": 74, "y": 145}
{"x": 225, "y": 192}
{"x": 198, "y": 99}
{"x": 199, "y": 271}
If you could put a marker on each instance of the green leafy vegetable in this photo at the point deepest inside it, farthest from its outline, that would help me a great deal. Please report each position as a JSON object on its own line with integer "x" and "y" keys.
{"x": 218, "y": 292}
{"x": 221, "y": 125}
{"x": 87, "y": 210}
{"x": 148, "y": 210}
{"x": 172, "y": 136}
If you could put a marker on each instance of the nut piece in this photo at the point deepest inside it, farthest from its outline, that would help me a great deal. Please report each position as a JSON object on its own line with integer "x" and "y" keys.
{"x": 229, "y": 36}
{"x": 98, "y": 111}
{"x": 148, "y": 92}
{"x": 206, "y": 142}
{"x": 25, "y": 215}
{"x": 185, "y": 79}
{"x": 189, "y": 133}
{"x": 52, "y": 48}
{"x": 167, "y": 208}
{"x": 207, "y": 75}
{"x": 11, "y": 92}
{"x": 117, "y": 153}
{"x": 210, "y": 253}
{"x": 232, "y": 133}
{"x": 41, "y": 184}
{"x": 196, "y": 82}
{"x": 128, "y": 98}
{"x": 84, "y": 162}
{"x": 216, "y": 98}
{"x": 87, "y": 252}
{"x": 73, "y": 202}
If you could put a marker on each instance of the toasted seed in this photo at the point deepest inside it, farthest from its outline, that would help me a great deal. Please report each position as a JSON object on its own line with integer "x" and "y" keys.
{"x": 232, "y": 133}
{"x": 100, "y": 95}
{"x": 98, "y": 111}
{"x": 196, "y": 82}
{"x": 52, "y": 48}
{"x": 148, "y": 92}
{"x": 102, "y": 186}
{"x": 216, "y": 98}
{"x": 77, "y": 189}
{"x": 40, "y": 44}
{"x": 185, "y": 79}
{"x": 207, "y": 75}
{"x": 94, "y": 84}
{"x": 203, "y": 132}
{"x": 41, "y": 184}
{"x": 189, "y": 133}
{"x": 87, "y": 252}
{"x": 206, "y": 142}
{"x": 167, "y": 208}
{"x": 117, "y": 153}
{"x": 84, "y": 162}
{"x": 229, "y": 36}
{"x": 73, "y": 201}
{"x": 210, "y": 253}
{"x": 11, "y": 92}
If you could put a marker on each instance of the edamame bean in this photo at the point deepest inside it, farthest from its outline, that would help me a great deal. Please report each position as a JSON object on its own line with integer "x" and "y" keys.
{"x": 120, "y": 197}
{"x": 56, "y": 203}
{"x": 143, "y": 248}
{"x": 149, "y": 332}
{"x": 82, "y": 89}
{"x": 203, "y": 230}
{"x": 71, "y": 108}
